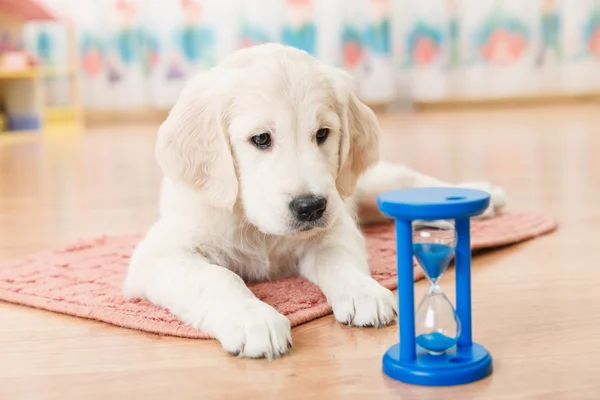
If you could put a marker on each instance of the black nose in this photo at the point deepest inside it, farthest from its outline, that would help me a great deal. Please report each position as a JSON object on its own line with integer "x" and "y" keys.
{"x": 308, "y": 208}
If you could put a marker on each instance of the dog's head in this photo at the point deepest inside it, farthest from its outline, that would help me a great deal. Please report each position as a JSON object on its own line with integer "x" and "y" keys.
{"x": 275, "y": 131}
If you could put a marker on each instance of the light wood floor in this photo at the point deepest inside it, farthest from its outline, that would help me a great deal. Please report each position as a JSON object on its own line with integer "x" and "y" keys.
{"x": 536, "y": 306}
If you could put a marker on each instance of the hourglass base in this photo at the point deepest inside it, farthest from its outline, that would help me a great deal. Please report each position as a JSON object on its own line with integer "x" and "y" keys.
{"x": 454, "y": 367}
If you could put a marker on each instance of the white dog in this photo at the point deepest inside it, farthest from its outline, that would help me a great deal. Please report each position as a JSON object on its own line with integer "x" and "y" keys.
{"x": 263, "y": 158}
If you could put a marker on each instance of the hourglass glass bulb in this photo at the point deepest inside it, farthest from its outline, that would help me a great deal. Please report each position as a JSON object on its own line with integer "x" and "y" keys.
{"x": 437, "y": 326}
{"x": 433, "y": 245}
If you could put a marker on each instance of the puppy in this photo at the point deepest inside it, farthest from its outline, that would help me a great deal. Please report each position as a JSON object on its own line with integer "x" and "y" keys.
{"x": 264, "y": 157}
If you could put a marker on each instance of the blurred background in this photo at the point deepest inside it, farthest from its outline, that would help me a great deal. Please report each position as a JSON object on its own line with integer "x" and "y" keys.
{"x": 64, "y": 61}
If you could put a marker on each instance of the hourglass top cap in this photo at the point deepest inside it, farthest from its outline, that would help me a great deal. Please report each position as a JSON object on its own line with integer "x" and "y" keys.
{"x": 433, "y": 203}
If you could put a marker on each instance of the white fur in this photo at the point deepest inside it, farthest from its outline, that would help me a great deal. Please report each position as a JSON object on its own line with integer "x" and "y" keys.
{"x": 224, "y": 211}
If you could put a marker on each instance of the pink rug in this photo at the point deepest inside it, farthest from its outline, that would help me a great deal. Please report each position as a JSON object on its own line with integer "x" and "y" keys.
{"x": 84, "y": 279}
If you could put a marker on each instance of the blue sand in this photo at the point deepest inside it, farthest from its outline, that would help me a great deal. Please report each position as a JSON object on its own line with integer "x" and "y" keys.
{"x": 433, "y": 257}
{"x": 435, "y": 342}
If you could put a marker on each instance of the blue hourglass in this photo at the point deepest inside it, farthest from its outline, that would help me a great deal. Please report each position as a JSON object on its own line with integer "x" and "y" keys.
{"x": 436, "y": 347}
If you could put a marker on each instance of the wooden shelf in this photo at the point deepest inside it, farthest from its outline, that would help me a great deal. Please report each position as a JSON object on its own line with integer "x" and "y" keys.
{"x": 18, "y": 136}
{"x": 60, "y": 113}
{"x": 35, "y": 72}
{"x": 57, "y": 72}
{"x": 27, "y": 73}
{"x": 18, "y": 133}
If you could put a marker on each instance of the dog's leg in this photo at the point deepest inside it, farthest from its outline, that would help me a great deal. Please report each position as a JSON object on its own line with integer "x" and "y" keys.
{"x": 337, "y": 264}
{"x": 385, "y": 176}
{"x": 208, "y": 297}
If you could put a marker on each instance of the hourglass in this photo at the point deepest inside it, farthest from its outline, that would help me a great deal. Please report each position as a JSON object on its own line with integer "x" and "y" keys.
{"x": 436, "y": 347}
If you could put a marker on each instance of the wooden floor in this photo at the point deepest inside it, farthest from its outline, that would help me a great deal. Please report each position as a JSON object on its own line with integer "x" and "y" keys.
{"x": 536, "y": 306}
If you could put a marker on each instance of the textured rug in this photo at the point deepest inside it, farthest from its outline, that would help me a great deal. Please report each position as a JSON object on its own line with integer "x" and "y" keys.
{"x": 84, "y": 279}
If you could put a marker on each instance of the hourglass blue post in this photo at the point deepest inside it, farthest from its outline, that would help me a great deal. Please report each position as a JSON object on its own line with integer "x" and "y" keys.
{"x": 406, "y": 361}
{"x": 463, "y": 280}
{"x": 406, "y": 318}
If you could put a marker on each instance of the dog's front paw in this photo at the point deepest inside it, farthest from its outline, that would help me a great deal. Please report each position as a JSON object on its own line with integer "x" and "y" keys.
{"x": 364, "y": 303}
{"x": 255, "y": 330}
{"x": 498, "y": 198}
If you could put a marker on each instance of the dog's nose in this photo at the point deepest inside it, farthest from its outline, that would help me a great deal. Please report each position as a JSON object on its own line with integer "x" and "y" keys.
{"x": 308, "y": 208}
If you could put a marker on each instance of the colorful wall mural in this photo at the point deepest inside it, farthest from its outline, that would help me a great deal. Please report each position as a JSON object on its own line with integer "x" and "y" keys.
{"x": 591, "y": 32}
{"x": 300, "y": 30}
{"x": 139, "y": 53}
{"x": 501, "y": 38}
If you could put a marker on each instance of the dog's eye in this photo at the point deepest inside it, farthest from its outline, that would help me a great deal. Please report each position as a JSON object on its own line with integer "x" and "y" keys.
{"x": 322, "y": 135}
{"x": 261, "y": 141}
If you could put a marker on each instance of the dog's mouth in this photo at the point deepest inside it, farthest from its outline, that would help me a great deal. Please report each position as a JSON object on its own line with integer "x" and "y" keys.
{"x": 311, "y": 227}
{"x": 307, "y": 232}
{"x": 298, "y": 229}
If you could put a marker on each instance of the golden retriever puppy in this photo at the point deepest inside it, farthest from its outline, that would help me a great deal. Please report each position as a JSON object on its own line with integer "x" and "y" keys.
{"x": 264, "y": 157}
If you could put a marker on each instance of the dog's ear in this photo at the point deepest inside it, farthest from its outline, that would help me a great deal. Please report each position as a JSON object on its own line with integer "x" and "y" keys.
{"x": 193, "y": 142}
{"x": 359, "y": 142}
